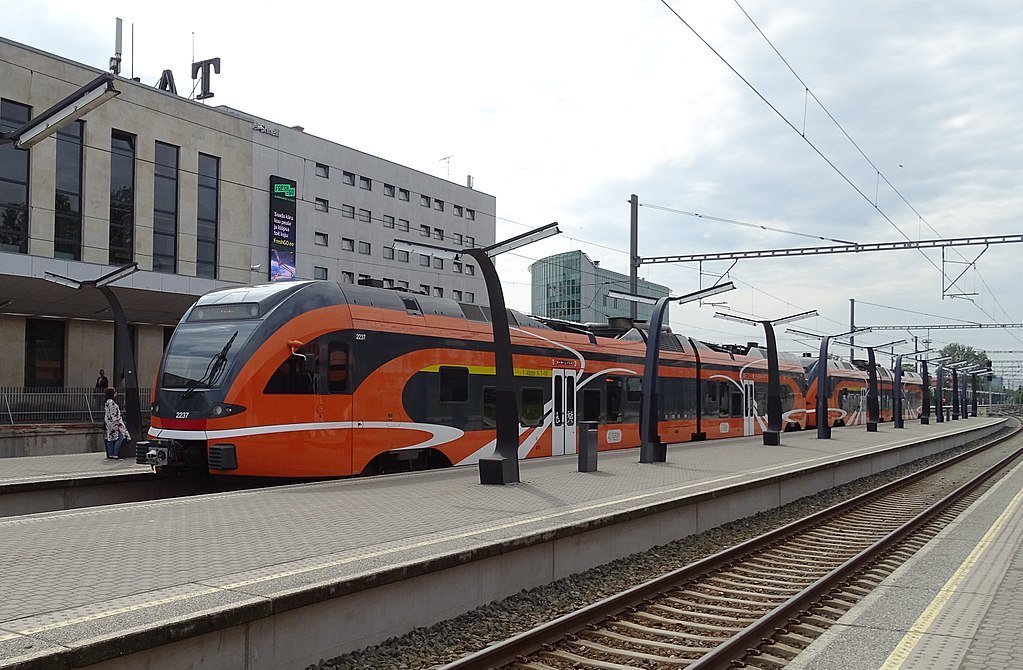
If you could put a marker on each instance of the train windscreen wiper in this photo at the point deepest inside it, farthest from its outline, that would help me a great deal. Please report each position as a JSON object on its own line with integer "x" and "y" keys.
{"x": 213, "y": 370}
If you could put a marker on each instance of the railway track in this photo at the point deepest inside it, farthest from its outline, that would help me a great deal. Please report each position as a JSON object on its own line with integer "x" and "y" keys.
{"x": 760, "y": 603}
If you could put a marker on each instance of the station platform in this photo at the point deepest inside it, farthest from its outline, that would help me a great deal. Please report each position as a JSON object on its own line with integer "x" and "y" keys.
{"x": 957, "y": 604}
{"x": 278, "y": 578}
{"x": 30, "y": 484}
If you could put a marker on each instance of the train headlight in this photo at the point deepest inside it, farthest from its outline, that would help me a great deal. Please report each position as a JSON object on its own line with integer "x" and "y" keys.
{"x": 155, "y": 408}
{"x": 222, "y": 409}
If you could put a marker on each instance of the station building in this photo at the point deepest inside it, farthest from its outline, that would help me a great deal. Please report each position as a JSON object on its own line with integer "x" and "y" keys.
{"x": 571, "y": 287}
{"x": 184, "y": 190}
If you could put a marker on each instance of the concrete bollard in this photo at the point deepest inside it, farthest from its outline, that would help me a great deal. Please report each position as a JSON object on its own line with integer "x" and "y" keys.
{"x": 586, "y": 438}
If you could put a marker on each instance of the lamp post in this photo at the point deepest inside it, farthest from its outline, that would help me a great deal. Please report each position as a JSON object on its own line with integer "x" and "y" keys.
{"x": 925, "y": 416}
{"x": 873, "y": 407}
{"x": 772, "y": 435}
{"x": 503, "y": 466}
{"x": 651, "y": 449}
{"x": 821, "y": 410}
{"x": 67, "y": 111}
{"x": 123, "y": 354}
{"x": 897, "y": 395}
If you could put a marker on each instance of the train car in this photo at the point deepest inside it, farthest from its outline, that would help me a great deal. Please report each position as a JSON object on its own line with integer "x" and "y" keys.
{"x": 312, "y": 379}
{"x": 847, "y": 393}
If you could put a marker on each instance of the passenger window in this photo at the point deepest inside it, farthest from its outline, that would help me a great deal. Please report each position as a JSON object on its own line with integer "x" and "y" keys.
{"x": 531, "y": 413}
{"x": 337, "y": 367}
{"x": 454, "y": 384}
{"x": 489, "y": 407}
{"x": 634, "y": 389}
{"x": 613, "y": 399}
{"x": 298, "y": 374}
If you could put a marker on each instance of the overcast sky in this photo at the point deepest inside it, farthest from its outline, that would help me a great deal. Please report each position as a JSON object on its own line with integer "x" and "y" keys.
{"x": 563, "y": 108}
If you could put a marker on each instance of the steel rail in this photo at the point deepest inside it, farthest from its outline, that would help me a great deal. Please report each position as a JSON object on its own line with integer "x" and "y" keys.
{"x": 507, "y": 651}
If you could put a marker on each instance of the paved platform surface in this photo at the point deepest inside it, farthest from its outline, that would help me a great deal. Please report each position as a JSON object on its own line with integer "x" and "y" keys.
{"x": 77, "y": 578}
{"x": 958, "y": 604}
{"x": 53, "y": 470}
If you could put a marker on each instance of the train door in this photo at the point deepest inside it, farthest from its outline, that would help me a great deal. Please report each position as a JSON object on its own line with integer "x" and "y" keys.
{"x": 749, "y": 408}
{"x": 563, "y": 424}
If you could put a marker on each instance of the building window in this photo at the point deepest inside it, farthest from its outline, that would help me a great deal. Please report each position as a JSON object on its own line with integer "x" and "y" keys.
{"x": 322, "y": 170}
{"x": 365, "y": 248}
{"x": 365, "y": 183}
{"x": 438, "y": 205}
{"x": 207, "y": 217}
{"x": 402, "y": 284}
{"x": 470, "y": 270}
{"x": 403, "y": 258}
{"x": 424, "y": 289}
{"x": 348, "y": 178}
{"x": 388, "y": 283}
{"x": 389, "y": 253}
{"x": 424, "y": 200}
{"x": 322, "y": 205}
{"x": 438, "y": 263}
{"x": 424, "y": 231}
{"x": 67, "y": 203}
{"x": 456, "y": 294}
{"x": 13, "y": 181}
{"x": 470, "y": 214}
{"x": 122, "y": 198}
{"x": 470, "y": 296}
{"x": 457, "y": 267}
{"x": 438, "y": 292}
{"x": 44, "y": 353}
{"x": 470, "y": 241}
{"x": 165, "y": 209}
{"x": 347, "y": 244}
{"x": 320, "y": 239}
{"x": 319, "y": 273}
{"x": 364, "y": 280}
{"x": 403, "y": 225}
{"x": 347, "y": 277}
{"x": 424, "y": 260}
{"x": 348, "y": 211}
{"x": 456, "y": 238}
{"x": 389, "y": 190}
{"x": 365, "y": 215}
{"x": 403, "y": 195}
{"x": 438, "y": 234}
{"x": 388, "y": 221}
{"x": 457, "y": 209}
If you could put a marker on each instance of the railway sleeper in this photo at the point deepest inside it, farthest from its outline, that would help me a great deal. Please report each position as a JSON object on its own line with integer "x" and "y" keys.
{"x": 633, "y": 655}
{"x": 743, "y": 595}
{"x": 682, "y": 602}
{"x": 754, "y": 577}
{"x": 781, "y": 650}
{"x": 692, "y": 652}
{"x": 773, "y": 567}
{"x": 704, "y": 628}
{"x": 578, "y": 661}
{"x": 747, "y": 617}
{"x": 710, "y": 642}
{"x": 827, "y": 610}
{"x": 747, "y": 587}
{"x": 730, "y": 599}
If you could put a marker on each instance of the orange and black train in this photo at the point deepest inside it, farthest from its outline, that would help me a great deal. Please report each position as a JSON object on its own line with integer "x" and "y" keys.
{"x": 313, "y": 379}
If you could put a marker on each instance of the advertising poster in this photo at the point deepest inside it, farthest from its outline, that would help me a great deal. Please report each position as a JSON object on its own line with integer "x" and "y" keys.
{"x": 282, "y": 228}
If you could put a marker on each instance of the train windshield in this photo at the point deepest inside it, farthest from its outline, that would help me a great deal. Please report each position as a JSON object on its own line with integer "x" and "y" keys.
{"x": 200, "y": 354}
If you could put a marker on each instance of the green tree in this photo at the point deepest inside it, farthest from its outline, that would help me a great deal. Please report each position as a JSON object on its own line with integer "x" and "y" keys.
{"x": 962, "y": 352}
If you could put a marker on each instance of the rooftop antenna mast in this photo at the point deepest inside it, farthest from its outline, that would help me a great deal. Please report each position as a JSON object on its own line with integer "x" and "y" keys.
{"x": 447, "y": 159}
{"x": 115, "y": 60}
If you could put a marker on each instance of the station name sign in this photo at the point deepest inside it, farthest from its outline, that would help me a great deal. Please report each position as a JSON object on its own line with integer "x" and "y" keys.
{"x": 266, "y": 130}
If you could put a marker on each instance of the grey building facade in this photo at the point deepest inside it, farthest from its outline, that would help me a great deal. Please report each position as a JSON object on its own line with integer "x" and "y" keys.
{"x": 183, "y": 189}
{"x": 571, "y": 287}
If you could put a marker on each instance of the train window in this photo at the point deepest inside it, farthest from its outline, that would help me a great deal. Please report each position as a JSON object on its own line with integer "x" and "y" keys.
{"x": 489, "y": 407}
{"x": 298, "y": 374}
{"x": 531, "y": 413}
{"x": 633, "y": 389}
{"x": 412, "y": 307}
{"x": 454, "y": 384}
{"x": 337, "y": 370}
{"x": 736, "y": 396}
{"x": 591, "y": 405}
{"x": 613, "y": 399}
